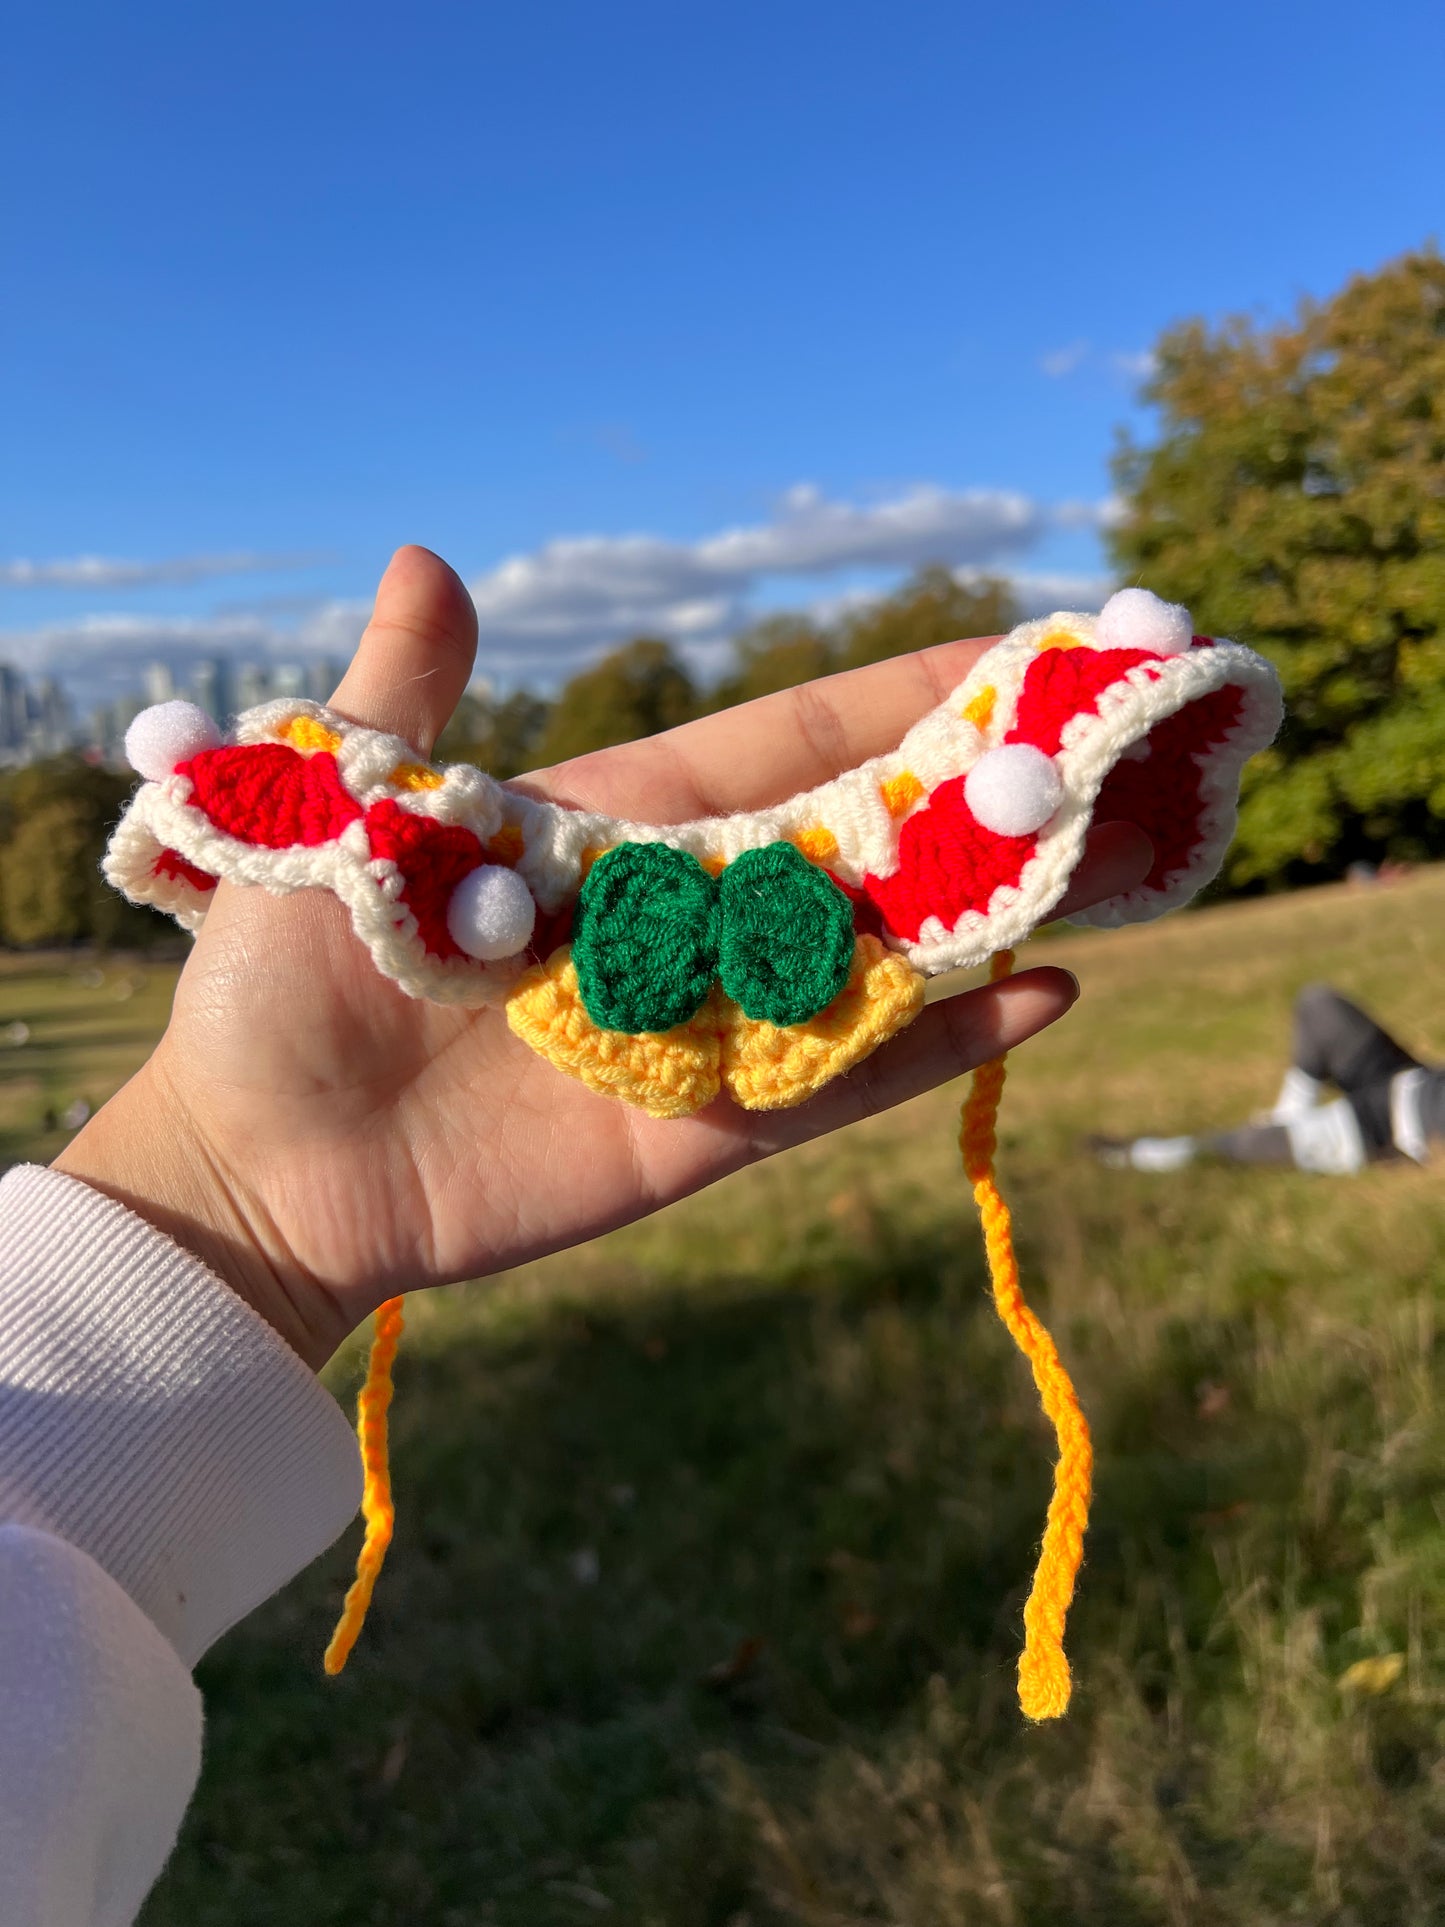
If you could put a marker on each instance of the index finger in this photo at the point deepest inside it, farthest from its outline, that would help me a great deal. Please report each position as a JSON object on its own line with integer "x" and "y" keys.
{"x": 764, "y": 751}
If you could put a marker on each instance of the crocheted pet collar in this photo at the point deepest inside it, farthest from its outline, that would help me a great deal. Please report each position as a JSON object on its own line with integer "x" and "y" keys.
{"x": 765, "y": 950}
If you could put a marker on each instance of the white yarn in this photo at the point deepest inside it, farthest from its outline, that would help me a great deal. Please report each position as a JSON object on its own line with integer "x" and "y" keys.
{"x": 1139, "y": 619}
{"x": 167, "y": 734}
{"x": 491, "y": 914}
{"x": 1013, "y": 790}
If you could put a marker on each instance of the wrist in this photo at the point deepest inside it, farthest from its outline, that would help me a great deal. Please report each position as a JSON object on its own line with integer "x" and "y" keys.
{"x": 144, "y": 1150}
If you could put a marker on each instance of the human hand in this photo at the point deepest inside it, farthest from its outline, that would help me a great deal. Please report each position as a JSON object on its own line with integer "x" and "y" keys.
{"x": 325, "y": 1142}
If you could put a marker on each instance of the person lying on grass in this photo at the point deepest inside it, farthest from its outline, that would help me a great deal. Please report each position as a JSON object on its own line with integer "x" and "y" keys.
{"x": 304, "y": 1143}
{"x": 1391, "y": 1105}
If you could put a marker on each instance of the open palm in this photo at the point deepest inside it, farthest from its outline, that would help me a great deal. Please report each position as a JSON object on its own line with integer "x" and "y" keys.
{"x": 324, "y": 1141}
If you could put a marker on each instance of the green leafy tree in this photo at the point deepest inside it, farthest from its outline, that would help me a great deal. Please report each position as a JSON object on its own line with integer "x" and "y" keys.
{"x": 1296, "y": 499}
{"x": 933, "y": 607}
{"x": 49, "y": 875}
{"x": 636, "y": 691}
{"x": 54, "y": 820}
{"x": 778, "y": 653}
{"x": 500, "y": 737}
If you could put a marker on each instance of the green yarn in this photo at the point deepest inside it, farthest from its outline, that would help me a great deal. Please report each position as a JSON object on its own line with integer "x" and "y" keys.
{"x": 787, "y": 935}
{"x": 644, "y": 939}
{"x": 653, "y": 931}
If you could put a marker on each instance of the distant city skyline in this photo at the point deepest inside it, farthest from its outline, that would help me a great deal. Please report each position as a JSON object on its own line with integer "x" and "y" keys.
{"x": 39, "y": 719}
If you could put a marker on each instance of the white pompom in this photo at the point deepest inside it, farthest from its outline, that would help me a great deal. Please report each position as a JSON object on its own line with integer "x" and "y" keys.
{"x": 167, "y": 734}
{"x": 491, "y": 914}
{"x": 1013, "y": 790}
{"x": 1138, "y": 619}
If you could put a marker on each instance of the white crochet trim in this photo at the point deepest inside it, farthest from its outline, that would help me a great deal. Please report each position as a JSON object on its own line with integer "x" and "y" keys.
{"x": 556, "y": 840}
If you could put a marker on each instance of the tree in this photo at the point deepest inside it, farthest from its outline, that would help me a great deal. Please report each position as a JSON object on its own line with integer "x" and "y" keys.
{"x": 933, "y": 607}
{"x": 1296, "y": 499}
{"x": 636, "y": 691}
{"x": 54, "y": 820}
{"x": 777, "y": 653}
{"x": 500, "y": 737}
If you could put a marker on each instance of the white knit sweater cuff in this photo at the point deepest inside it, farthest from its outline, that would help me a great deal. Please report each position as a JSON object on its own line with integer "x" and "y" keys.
{"x": 150, "y": 1417}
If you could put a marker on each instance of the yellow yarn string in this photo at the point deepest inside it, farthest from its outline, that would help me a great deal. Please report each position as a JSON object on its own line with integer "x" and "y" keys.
{"x": 1044, "y": 1682}
{"x": 376, "y": 1506}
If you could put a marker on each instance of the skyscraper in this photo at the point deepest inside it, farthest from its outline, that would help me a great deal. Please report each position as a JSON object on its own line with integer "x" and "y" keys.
{"x": 12, "y": 708}
{"x": 158, "y": 682}
{"x": 252, "y": 685}
{"x": 211, "y": 688}
{"x": 322, "y": 676}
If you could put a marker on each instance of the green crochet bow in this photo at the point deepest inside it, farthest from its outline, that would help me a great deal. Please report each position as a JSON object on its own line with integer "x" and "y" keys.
{"x": 653, "y": 932}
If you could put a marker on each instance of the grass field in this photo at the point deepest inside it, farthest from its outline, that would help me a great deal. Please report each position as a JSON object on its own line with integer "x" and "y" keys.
{"x": 713, "y": 1536}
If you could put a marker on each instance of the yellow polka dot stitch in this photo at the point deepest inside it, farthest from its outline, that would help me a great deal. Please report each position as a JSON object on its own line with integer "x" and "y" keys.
{"x": 668, "y": 1073}
{"x": 588, "y": 857}
{"x": 767, "y": 1068}
{"x": 415, "y": 776}
{"x": 506, "y": 846}
{"x": 817, "y": 844}
{"x": 900, "y": 792}
{"x": 1059, "y": 639}
{"x": 305, "y": 733}
{"x": 980, "y": 711}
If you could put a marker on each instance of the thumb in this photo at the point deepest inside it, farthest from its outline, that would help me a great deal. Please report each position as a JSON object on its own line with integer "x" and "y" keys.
{"x": 415, "y": 658}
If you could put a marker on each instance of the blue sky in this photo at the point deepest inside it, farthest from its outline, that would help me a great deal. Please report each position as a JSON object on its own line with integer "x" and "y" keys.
{"x": 645, "y": 316}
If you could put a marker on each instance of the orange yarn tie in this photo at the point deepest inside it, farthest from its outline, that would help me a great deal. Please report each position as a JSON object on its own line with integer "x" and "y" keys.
{"x": 1044, "y": 1681}
{"x": 376, "y": 1506}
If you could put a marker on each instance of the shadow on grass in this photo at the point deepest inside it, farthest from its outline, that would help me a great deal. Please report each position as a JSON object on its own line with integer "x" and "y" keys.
{"x": 746, "y": 1521}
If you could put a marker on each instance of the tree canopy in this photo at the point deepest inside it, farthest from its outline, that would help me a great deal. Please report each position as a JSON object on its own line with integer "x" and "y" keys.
{"x": 55, "y": 817}
{"x": 1295, "y": 499}
{"x": 636, "y": 691}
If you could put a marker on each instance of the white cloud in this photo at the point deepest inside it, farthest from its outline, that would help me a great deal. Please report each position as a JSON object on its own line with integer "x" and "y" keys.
{"x": 110, "y": 572}
{"x": 1131, "y": 364}
{"x": 580, "y": 592}
{"x": 1134, "y": 364}
{"x": 1037, "y": 593}
{"x": 1064, "y": 361}
{"x": 1044, "y": 592}
{"x": 543, "y": 612}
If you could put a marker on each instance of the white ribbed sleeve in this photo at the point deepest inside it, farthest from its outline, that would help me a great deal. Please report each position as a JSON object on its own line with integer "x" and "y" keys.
{"x": 151, "y": 1418}
{"x": 166, "y": 1463}
{"x": 101, "y": 1741}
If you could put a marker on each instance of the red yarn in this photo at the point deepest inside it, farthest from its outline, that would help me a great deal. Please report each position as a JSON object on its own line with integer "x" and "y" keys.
{"x": 867, "y": 917}
{"x": 1162, "y": 793}
{"x": 1063, "y": 683}
{"x": 170, "y": 863}
{"x": 552, "y": 929}
{"x": 432, "y": 858}
{"x": 947, "y": 863}
{"x": 266, "y": 794}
